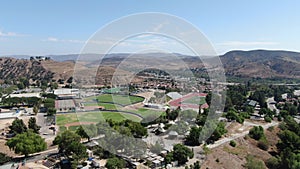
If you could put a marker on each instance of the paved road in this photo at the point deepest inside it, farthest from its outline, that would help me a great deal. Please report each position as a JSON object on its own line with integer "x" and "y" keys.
{"x": 45, "y": 131}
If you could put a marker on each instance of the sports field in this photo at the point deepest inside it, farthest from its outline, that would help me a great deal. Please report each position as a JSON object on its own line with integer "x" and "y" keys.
{"x": 148, "y": 112}
{"x": 66, "y": 120}
{"x": 119, "y": 99}
{"x": 194, "y": 100}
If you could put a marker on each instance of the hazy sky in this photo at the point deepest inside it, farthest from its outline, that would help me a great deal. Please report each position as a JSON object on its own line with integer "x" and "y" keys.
{"x": 62, "y": 27}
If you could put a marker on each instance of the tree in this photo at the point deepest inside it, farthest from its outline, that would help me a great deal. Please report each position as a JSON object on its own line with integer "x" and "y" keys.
{"x": 193, "y": 138}
{"x": 69, "y": 144}
{"x": 70, "y": 80}
{"x": 268, "y": 119}
{"x": 49, "y": 103}
{"x": 4, "y": 158}
{"x": 81, "y": 132}
{"x": 27, "y": 143}
{"x": 232, "y": 143}
{"x": 257, "y": 132}
{"x": 32, "y": 125}
{"x": 273, "y": 163}
{"x": 156, "y": 148}
{"x": 253, "y": 163}
{"x": 115, "y": 163}
{"x": 17, "y": 126}
{"x": 35, "y": 110}
{"x": 51, "y": 111}
{"x": 219, "y": 131}
{"x": 181, "y": 153}
{"x": 137, "y": 130}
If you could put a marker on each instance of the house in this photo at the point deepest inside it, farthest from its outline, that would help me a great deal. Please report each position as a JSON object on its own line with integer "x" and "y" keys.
{"x": 251, "y": 103}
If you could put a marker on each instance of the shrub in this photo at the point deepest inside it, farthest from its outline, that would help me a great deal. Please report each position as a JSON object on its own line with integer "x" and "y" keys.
{"x": 273, "y": 163}
{"x": 253, "y": 163}
{"x": 271, "y": 128}
{"x": 268, "y": 119}
{"x": 4, "y": 158}
{"x": 232, "y": 143}
{"x": 263, "y": 144}
{"x": 257, "y": 132}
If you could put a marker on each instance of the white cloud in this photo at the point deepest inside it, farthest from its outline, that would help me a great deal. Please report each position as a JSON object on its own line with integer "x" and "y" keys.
{"x": 53, "y": 39}
{"x": 11, "y": 34}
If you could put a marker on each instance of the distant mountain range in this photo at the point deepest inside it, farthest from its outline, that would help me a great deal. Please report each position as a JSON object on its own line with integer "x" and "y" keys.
{"x": 262, "y": 63}
{"x": 252, "y": 64}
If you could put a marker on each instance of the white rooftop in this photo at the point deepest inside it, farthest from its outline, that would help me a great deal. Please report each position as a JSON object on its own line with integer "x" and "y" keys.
{"x": 26, "y": 95}
{"x": 297, "y": 92}
{"x": 174, "y": 95}
{"x": 65, "y": 91}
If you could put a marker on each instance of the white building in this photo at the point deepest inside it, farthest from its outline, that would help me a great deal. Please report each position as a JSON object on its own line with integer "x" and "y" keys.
{"x": 66, "y": 93}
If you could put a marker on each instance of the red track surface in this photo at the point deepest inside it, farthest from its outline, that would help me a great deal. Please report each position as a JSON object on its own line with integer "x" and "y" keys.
{"x": 178, "y": 102}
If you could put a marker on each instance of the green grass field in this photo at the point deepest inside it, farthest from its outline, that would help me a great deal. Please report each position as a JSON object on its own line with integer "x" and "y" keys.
{"x": 119, "y": 99}
{"x": 148, "y": 112}
{"x": 109, "y": 106}
{"x": 63, "y": 119}
{"x": 195, "y": 100}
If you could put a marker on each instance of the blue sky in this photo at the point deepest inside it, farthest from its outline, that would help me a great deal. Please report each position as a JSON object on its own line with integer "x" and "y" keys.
{"x": 61, "y": 27}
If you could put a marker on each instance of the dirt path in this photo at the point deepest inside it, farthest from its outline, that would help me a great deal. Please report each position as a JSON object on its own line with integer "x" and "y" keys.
{"x": 238, "y": 135}
{"x": 78, "y": 124}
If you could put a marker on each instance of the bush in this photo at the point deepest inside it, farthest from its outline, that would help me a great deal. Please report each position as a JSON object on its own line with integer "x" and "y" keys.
{"x": 271, "y": 128}
{"x": 4, "y": 158}
{"x": 263, "y": 144}
{"x": 253, "y": 163}
{"x": 232, "y": 143}
{"x": 257, "y": 132}
{"x": 273, "y": 163}
{"x": 268, "y": 119}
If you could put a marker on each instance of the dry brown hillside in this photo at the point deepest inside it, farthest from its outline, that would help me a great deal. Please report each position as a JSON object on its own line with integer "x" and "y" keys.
{"x": 12, "y": 69}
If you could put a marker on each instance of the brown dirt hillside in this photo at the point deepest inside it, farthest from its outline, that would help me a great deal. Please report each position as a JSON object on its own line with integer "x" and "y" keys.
{"x": 228, "y": 157}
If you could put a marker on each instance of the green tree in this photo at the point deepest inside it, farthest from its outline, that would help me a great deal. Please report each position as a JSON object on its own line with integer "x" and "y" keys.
{"x": 35, "y": 110}
{"x": 27, "y": 143}
{"x": 49, "y": 103}
{"x": 219, "y": 131}
{"x": 51, "y": 111}
{"x": 17, "y": 126}
{"x": 257, "y": 132}
{"x": 69, "y": 144}
{"x": 115, "y": 163}
{"x": 268, "y": 119}
{"x": 32, "y": 125}
{"x": 193, "y": 138}
{"x": 81, "y": 132}
{"x": 232, "y": 143}
{"x": 253, "y": 163}
{"x": 182, "y": 153}
{"x": 137, "y": 130}
{"x": 169, "y": 158}
{"x": 273, "y": 163}
{"x": 156, "y": 148}
{"x": 4, "y": 158}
